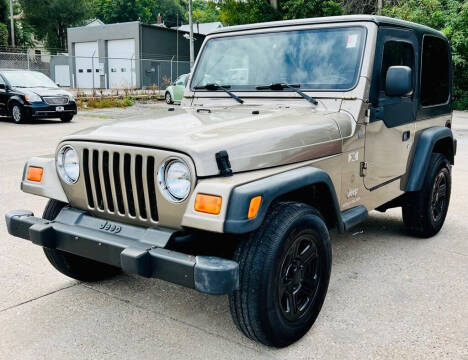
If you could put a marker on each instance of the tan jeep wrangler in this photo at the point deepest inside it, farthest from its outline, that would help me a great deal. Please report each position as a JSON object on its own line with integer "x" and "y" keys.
{"x": 287, "y": 129}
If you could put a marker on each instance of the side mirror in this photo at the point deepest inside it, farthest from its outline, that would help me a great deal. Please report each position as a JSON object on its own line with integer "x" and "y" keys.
{"x": 399, "y": 81}
{"x": 2, "y": 87}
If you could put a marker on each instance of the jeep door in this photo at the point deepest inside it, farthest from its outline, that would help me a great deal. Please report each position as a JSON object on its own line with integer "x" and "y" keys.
{"x": 390, "y": 132}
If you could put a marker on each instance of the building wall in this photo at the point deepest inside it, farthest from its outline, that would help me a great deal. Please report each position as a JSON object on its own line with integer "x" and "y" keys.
{"x": 160, "y": 45}
{"x": 102, "y": 34}
{"x": 155, "y": 51}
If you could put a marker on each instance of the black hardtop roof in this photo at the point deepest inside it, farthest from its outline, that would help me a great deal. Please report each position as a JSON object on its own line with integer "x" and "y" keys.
{"x": 379, "y": 20}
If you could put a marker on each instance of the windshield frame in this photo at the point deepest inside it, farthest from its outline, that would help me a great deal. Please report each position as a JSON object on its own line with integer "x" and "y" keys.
{"x": 6, "y": 72}
{"x": 284, "y": 29}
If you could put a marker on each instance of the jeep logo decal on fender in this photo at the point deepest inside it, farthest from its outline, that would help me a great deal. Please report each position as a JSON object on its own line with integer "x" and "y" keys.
{"x": 109, "y": 227}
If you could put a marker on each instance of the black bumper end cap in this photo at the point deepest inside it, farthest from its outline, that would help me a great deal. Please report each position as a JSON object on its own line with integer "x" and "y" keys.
{"x": 216, "y": 276}
{"x": 11, "y": 215}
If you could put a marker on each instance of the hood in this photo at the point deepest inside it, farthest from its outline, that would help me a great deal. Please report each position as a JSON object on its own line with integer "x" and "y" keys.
{"x": 270, "y": 138}
{"x": 44, "y": 91}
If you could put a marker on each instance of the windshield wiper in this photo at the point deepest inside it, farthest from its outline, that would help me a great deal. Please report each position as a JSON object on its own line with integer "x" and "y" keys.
{"x": 220, "y": 87}
{"x": 282, "y": 86}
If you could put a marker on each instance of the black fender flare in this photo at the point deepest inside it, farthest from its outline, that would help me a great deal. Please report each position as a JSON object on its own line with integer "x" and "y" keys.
{"x": 422, "y": 154}
{"x": 270, "y": 188}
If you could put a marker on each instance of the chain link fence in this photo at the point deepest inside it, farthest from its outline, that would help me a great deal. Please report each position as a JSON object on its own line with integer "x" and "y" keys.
{"x": 98, "y": 72}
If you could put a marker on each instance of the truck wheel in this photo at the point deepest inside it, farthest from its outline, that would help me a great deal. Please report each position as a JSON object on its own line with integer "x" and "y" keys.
{"x": 71, "y": 265}
{"x": 284, "y": 273}
{"x": 425, "y": 212}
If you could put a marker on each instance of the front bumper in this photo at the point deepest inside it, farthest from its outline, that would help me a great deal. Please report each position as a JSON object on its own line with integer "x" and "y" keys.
{"x": 45, "y": 110}
{"x": 135, "y": 249}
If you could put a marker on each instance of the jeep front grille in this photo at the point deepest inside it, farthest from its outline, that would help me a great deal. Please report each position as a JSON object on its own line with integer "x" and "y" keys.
{"x": 56, "y": 100}
{"x": 120, "y": 183}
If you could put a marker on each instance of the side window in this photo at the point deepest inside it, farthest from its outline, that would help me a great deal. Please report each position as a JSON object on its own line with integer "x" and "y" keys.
{"x": 435, "y": 81}
{"x": 395, "y": 53}
{"x": 2, "y": 81}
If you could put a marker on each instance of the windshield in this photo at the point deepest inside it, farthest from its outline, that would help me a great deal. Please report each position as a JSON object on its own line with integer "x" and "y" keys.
{"x": 327, "y": 59}
{"x": 28, "y": 79}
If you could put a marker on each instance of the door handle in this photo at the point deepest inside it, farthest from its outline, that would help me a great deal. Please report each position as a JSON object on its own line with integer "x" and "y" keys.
{"x": 406, "y": 136}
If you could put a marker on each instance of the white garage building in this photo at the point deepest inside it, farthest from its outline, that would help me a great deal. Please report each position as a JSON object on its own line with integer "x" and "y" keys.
{"x": 125, "y": 55}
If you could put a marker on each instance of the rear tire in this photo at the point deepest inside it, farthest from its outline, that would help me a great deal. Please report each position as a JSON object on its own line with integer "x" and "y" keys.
{"x": 168, "y": 98}
{"x": 284, "y": 274}
{"x": 71, "y": 265}
{"x": 66, "y": 117}
{"x": 425, "y": 211}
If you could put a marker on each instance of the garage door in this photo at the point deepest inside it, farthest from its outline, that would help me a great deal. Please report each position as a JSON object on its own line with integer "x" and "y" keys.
{"x": 122, "y": 72}
{"x": 62, "y": 75}
{"x": 87, "y": 65}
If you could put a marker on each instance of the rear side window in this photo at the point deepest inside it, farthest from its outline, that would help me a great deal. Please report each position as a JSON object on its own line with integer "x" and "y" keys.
{"x": 435, "y": 83}
{"x": 395, "y": 53}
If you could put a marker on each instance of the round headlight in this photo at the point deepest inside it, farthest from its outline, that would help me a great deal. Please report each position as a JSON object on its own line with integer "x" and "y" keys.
{"x": 174, "y": 180}
{"x": 68, "y": 164}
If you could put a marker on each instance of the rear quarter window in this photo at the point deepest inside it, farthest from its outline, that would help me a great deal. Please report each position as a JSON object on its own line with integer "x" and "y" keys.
{"x": 435, "y": 80}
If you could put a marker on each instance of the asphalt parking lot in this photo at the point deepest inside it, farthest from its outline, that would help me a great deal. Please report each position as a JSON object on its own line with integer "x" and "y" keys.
{"x": 391, "y": 296}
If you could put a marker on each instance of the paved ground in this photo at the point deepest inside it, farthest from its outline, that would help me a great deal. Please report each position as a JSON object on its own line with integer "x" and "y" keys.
{"x": 390, "y": 296}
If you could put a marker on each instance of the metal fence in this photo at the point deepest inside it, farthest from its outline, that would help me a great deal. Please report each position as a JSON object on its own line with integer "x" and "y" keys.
{"x": 99, "y": 72}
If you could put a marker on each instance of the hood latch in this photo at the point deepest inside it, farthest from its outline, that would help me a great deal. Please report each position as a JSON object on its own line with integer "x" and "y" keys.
{"x": 224, "y": 165}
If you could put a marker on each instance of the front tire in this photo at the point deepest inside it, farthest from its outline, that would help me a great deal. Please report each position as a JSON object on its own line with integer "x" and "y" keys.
{"x": 425, "y": 211}
{"x": 66, "y": 117}
{"x": 168, "y": 98}
{"x": 71, "y": 265}
{"x": 18, "y": 113}
{"x": 284, "y": 274}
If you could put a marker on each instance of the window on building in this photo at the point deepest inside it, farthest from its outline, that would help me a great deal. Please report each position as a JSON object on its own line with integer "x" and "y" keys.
{"x": 435, "y": 80}
{"x": 396, "y": 53}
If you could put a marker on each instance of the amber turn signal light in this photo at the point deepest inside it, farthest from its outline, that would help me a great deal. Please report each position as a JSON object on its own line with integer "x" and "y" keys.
{"x": 254, "y": 207}
{"x": 34, "y": 173}
{"x": 210, "y": 204}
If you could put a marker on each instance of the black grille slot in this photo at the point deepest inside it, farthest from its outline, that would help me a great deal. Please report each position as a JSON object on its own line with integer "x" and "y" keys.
{"x": 97, "y": 180}
{"x": 89, "y": 191}
{"x": 118, "y": 187}
{"x": 151, "y": 188}
{"x": 128, "y": 185}
{"x": 107, "y": 183}
{"x": 139, "y": 185}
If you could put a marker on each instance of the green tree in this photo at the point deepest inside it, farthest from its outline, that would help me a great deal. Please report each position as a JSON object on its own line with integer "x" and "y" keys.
{"x": 3, "y": 35}
{"x": 205, "y": 11}
{"x": 4, "y": 11}
{"x": 50, "y": 19}
{"x": 146, "y": 11}
{"x": 450, "y": 17}
{"x": 235, "y": 12}
{"x": 300, "y": 9}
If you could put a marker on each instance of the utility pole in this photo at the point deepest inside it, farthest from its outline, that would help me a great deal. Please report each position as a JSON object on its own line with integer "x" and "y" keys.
{"x": 192, "y": 55}
{"x": 379, "y": 7}
{"x": 12, "y": 24}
